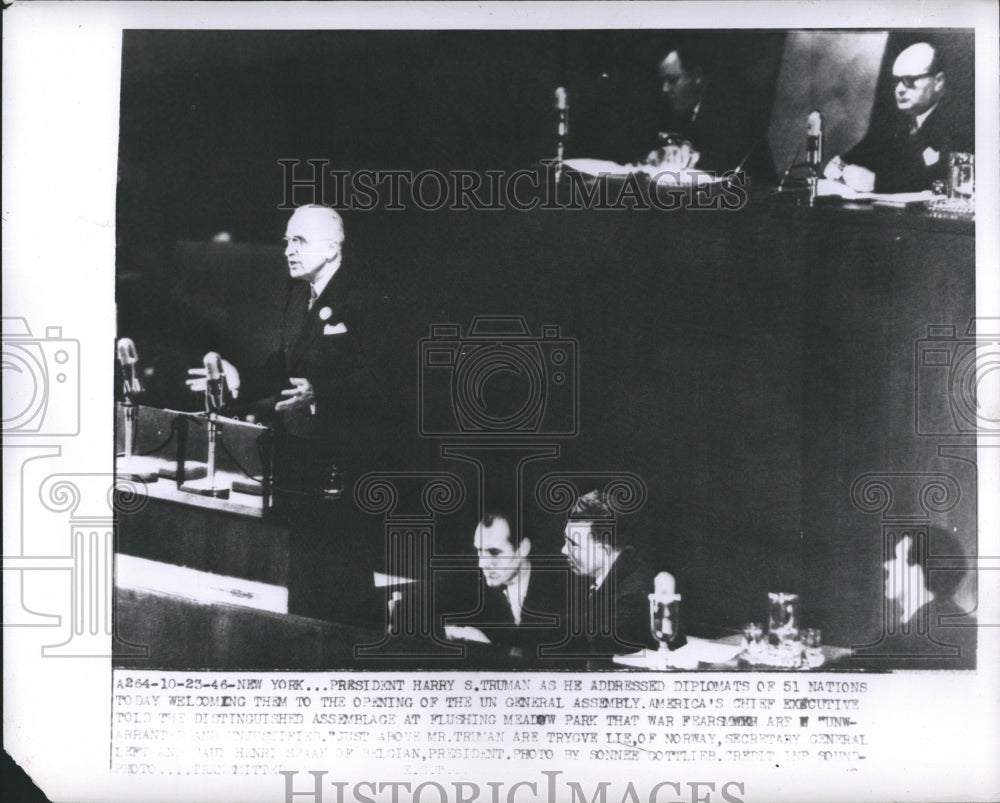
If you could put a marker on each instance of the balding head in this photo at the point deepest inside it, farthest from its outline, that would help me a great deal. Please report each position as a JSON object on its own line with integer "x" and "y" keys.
{"x": 313, "y": 239}
{"x": 919, "y": 79}
{"x": 320, "y": 220}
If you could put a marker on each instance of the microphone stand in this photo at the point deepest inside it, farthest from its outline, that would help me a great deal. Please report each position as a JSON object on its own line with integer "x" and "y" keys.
{"x": 814, "y": 158}
{"x": 133, "y": 466}
{"x": 212, "y": 407}
{"x": 562, "y": 128}
{"x": 814, "y": 154}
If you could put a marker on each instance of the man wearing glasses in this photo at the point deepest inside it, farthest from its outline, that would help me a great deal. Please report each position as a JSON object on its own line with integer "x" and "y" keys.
{"x": 915, "y": 154}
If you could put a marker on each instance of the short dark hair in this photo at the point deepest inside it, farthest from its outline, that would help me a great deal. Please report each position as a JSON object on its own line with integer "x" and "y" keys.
{"x": 593, "y": 507}
{"x": 940, "y": 543}
{"x": 695, "y": 53}
{"x": 504, "y": 512}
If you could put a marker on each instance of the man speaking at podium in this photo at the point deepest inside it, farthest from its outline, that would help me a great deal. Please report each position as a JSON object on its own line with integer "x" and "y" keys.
{"x": 309, "y": 389}
{"x": 317, "y": 393}
{"x": 312, "y": 379}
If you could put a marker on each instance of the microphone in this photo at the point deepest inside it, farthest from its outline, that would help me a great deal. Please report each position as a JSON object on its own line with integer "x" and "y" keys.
{"x": 814, "y": 140}
{"x": 665, "y": 615}
{"x": 562, "y": 112}
{"x": 215, "y": 383}
{"x": 562, "y": 125}
{"x": 791, "y": 166}
{"x": 127, "y": 358}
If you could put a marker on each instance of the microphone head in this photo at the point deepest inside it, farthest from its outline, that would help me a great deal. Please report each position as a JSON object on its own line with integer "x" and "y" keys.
{"x": 213, "y": 366}
{"x": 215, "y": 386}
{"x": 815, "y": 124}
{"x": 664, "y": 584}
{"x": 127, "y": 354}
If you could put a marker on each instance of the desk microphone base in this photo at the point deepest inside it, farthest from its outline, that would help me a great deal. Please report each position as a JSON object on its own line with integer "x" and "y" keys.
{"x": 203, "y": 488}
{"x": 253, "y": 487}
{"x": 139, "y": 469}
{"x": 192, "y": 471}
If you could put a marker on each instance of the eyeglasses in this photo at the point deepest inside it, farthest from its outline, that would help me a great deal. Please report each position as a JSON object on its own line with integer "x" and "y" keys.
{"x": 910, "y": 81}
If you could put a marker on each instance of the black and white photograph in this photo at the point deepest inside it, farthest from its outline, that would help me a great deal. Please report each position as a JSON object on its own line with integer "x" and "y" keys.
{"x": 479, "y": 364}
{"x": 567, "y": 402}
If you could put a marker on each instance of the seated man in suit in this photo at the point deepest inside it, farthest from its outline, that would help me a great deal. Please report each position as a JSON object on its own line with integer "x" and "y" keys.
{"x": 912, "y": 154}
{"x": 609, "y": 601}
{"x": 922, "y": 606}
{"x": 518, "y": 597}
{"x": 722, "y": 121}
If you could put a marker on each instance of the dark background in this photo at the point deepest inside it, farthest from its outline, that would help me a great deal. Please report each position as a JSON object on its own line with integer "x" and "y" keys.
{"x": 748, "y": 366}
{"x": 207, "y": 114}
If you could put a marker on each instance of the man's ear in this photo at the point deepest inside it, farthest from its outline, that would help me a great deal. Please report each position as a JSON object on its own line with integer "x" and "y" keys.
{"x": 524, "y": 547}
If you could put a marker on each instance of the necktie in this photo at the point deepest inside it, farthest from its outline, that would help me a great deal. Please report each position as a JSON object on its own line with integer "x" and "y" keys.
{"x": 508, "y": 609}
{"x": 312, "y": 296}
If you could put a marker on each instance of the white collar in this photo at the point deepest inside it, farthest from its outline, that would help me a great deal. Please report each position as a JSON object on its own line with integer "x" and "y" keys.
{"x": 323, "y": 279}
{"x": 919, "y": 119}
{"x": 517, "y": 590}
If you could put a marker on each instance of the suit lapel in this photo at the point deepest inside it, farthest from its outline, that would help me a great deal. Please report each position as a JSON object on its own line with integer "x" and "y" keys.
{"x": 500, "y": 606}
{"x": 313, "y": 324}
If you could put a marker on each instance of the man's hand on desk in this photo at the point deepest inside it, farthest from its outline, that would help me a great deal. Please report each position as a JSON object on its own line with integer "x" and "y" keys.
{"x": 673, "y": 157}
{"x": 858, "y": 178}
{"x": 197, "y": 379}
{"x": 300, "y": 394}
{"x": 457, "y": 633}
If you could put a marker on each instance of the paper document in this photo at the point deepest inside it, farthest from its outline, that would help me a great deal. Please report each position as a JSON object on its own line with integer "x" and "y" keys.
{"x": 826, "y": 187}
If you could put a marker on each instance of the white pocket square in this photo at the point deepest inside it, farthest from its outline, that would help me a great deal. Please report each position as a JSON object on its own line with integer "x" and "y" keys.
{"x": 334, "y": 329}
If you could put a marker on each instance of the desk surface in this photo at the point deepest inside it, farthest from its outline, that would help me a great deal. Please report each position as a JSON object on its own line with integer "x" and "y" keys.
{"x": 240, "y": 504}
{"x": 720, "y": 655}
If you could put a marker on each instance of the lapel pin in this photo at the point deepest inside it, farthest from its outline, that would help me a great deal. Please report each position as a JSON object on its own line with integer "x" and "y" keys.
{"x": 325, "y": 313}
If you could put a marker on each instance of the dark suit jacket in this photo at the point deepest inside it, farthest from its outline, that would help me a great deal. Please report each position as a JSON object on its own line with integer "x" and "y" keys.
{"x": 930, "y": 644}
{"x": 337, "y": 366}
{"x": 727, "y": 128}
{"x": 542, "y": 613}
{"x": 900, "y": 159}
{"x": 613, "y": 619}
